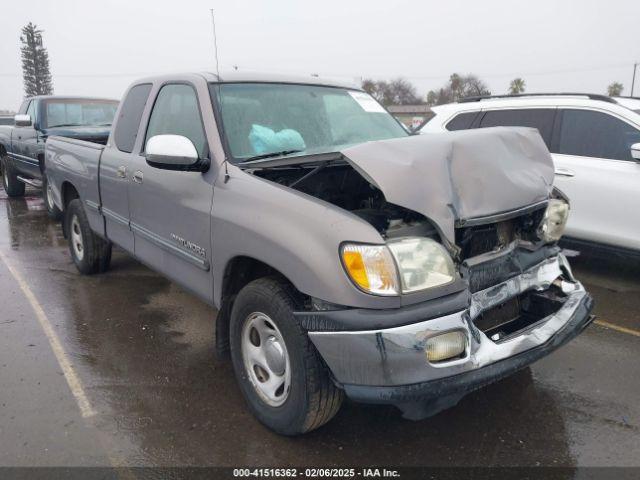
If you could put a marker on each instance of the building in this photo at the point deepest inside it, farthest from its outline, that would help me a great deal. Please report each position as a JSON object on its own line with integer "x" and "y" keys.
{"x": 413, "y": 116}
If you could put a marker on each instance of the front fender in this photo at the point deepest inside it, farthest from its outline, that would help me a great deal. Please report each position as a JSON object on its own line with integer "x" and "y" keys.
{"x": 294, "y": 233}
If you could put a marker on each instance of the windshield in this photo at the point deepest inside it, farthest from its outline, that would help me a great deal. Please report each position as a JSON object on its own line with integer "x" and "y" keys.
{"x": 261, "y": 119}
{"x": 79, "y": 113}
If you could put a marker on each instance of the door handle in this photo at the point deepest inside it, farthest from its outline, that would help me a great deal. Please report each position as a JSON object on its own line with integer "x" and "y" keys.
{"x": 122, "y": 171}
{"x": 563, "y": 172}
{"x": 137, "y": 176}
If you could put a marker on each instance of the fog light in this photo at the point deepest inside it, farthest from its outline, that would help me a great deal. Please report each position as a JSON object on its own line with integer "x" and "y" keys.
{"x": 445, "y": 346}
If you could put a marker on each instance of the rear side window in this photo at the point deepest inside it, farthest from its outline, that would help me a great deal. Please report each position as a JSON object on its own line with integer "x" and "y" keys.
{"x": 176, "y": 112}
{"x": 540, "y": 118}
{"x": 462, "y": 121}
{"x": 130, "y": 115}
{"x": 595, "y": 134}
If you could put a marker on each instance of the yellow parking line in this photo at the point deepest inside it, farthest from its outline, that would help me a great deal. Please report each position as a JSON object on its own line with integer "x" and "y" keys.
{"x": 618, "y": 328}
{"x": 65, "y": 365}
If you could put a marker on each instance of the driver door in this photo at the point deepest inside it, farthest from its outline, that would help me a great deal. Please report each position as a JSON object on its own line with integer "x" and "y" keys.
{"x": 171, "y": 210}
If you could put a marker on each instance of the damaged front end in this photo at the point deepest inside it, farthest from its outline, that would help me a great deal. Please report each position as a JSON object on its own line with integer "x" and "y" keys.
{"x": 492, "y": 293}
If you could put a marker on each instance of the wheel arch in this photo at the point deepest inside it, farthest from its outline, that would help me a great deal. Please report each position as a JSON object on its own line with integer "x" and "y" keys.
{"x": 239, "y": 272}
{"x": 68, "y": 192}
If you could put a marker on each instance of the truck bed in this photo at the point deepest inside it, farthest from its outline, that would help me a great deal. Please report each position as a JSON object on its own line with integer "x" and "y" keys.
{"x": 76, "y": 162}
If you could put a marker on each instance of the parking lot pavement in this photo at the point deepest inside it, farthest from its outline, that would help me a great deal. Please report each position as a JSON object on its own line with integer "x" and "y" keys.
{"x": 141, "y": 352}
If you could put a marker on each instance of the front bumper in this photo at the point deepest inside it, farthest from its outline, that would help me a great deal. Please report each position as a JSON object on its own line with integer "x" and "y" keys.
{"x": 390, "y": 365}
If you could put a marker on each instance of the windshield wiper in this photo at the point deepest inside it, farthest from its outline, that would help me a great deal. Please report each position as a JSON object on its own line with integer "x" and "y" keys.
{"x": 66, "y": 125}
{"x": 282, "y": 153}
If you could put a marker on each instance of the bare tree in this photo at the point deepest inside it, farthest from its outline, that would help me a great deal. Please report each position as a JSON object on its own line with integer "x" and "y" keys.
{"x": 402, "y": 92}
{"x": 457, "y": 88}
{"x": 517, "y": 86}
{"x": 35, "y": 62}
{"x": 615, "y": 89}
{"x": 396, "y": 92}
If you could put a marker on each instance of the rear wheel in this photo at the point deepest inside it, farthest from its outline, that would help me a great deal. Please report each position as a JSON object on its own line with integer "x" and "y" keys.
{"x": 280, "y": 373}
{"x": 13, "y": 186}
{"x": 47, "y": 195}
{"x": 90, "y": 253}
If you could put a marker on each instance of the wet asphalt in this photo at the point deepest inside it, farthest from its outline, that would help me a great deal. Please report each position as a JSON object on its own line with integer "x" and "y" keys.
{"x": 142, "y": 350}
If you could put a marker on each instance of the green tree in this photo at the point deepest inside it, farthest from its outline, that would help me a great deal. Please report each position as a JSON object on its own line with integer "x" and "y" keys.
{"x": 615, "y": 89}
{"x": 517, "y": 86}
{"x": 35, "y": 62}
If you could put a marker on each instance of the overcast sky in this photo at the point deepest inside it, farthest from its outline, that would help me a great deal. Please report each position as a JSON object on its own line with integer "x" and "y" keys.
{"x": 99, "y": 47}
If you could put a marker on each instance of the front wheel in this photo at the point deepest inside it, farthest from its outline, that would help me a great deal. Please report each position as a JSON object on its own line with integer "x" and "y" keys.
{"x": 90, "y": 253}
{"x": 47, "y": 195}
{"x": 13, "y": 186}
{"x": 280, "y": 373}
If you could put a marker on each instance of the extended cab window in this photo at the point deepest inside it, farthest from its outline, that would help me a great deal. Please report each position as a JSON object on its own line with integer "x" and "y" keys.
{"x": 540, "y": 118}
{"x": 176, "y": 112}
{"x": 129, "y": 117}
{"x": 588, "y": 133}
{"x": 264, "y": 118}
{"x": 462, "y": 121}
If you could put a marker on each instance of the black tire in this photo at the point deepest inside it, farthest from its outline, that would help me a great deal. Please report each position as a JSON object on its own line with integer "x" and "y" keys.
{"x": 13, "y": 186}
{"x": 94, "y": 253}
{"x": 312, "y": 399}
{"x": 52, "y": 210}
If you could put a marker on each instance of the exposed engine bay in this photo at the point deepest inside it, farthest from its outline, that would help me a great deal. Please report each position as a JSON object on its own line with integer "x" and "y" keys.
{"x": 342, "y": 186}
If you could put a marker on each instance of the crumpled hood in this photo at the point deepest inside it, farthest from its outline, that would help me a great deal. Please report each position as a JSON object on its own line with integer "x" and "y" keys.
{"x": 457, "y": 176}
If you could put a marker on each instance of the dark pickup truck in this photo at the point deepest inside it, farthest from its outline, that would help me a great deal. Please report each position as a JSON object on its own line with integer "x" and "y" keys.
{"x": 22, "y": 144}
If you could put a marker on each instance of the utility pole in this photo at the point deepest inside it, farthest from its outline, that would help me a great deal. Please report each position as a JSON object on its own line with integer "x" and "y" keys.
{"x": 215, "y": 42}
{"x": 633, "y": 81}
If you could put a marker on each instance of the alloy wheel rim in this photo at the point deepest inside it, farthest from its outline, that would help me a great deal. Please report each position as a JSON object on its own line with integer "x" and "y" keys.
{"x": 76, "y": 238}
{"x": 266, "y": 360}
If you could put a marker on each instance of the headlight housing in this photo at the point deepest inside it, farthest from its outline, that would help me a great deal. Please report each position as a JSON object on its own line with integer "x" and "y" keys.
{"x": 404, "y": 265}
{"x": 422, "y": 263}
{"x": 554, "y": 220}
{"x": 371, "y": 268}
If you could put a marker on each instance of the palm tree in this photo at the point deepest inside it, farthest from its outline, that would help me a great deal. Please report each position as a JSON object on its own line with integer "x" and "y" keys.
{"x": 517, "y": 86}
{"x": 615, "y": 89}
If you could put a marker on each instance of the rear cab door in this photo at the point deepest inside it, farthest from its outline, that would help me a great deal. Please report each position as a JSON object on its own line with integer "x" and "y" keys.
{"x": 171, "y": 210}
{"x": 595, "y": 169}
{"x": 116, "y": 166}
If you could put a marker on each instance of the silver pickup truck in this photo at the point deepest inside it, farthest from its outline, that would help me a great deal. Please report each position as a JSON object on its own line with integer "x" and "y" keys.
{"x": 344, "y": 256}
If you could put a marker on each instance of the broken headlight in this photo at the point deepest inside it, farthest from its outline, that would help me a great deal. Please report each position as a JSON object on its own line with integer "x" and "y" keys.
{"x": 422, "y": 263}
{"x": 554, "y": 220}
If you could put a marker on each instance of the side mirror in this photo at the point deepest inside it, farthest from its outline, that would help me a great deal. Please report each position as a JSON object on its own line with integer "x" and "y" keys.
{"x": 22, "y": 120}
{"x": 174, "y": 152}
{"x": 635, "y": 152}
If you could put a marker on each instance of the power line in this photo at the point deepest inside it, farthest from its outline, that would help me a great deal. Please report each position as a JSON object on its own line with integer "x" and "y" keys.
{"x": 353, "y": 75}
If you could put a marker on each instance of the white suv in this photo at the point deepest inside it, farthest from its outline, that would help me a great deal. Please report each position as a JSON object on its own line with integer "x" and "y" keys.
{"x": 595, "y": 144}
